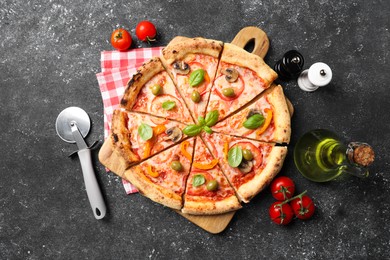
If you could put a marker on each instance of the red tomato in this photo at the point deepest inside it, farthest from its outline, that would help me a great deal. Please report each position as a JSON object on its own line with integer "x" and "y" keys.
{"x": 257, "y": 153}
{"x": 303, "y": 207}
{"x": 282, "y": 188}
{"x": 146, "y": 31}
{"x": 203, "y": 86}
{"x": 221, "y": 83}
{"x": 281, "y": 215}
{"x": 121, "y": 39}
{"x": 156, "y": 108}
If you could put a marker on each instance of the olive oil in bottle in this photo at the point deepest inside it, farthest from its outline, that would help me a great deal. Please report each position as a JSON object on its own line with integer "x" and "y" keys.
{"x": 321, "y": 156}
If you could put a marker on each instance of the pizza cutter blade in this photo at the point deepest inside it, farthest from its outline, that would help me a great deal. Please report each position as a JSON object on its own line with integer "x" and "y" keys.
{"x": 72, "y": 125}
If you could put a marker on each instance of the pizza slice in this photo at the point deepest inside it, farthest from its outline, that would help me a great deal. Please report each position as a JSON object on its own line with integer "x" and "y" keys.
{"x": 136, "y": 136}
{"x": 162, "y": 178}
{"x": 192, "y": 64}
{"x": 267, "y": 119}
{"x": 249, "y": 165}
{"x": 208, "y": 191}
{"x": 152, "y": 91}
{"x": 241, "y": 76}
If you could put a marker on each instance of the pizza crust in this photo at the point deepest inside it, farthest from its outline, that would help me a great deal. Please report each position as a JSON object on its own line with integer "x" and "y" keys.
{"x": 157, "y": 193}
{"x": 211, "y": 207}
{"x": 238, "y": 56}
{"x": 120, "y": 138}
{"x": 145, "y": 73}
{"x": 281, "y": 115}
{"x": 261, "y": 180}
{"x": 181, "y": 46}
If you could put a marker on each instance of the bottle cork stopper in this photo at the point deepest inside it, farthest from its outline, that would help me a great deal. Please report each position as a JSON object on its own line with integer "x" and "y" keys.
{"x": 363, "y": 154}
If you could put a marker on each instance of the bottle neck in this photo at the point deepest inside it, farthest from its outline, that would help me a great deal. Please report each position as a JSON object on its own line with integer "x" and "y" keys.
{"x": 331, "y": 153}
{"x": 334, "y": 153}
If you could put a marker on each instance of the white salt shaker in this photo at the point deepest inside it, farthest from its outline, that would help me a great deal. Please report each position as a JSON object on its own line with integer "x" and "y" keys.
{"x": 318, "y": 75}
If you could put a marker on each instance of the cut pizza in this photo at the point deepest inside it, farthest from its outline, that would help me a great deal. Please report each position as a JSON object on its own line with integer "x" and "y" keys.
{"x": 241, "y": 76}
{"x": 192, "y": 64}
{"x": 136, "y": 136}
{"x": 162, "y": 178}
{"x": 222, "y": 95}
{"x": 249, "y": 165}
{"x": 266, "y": 119}
{"x": 208, "y": 191}
{"x": 152, "y": 91}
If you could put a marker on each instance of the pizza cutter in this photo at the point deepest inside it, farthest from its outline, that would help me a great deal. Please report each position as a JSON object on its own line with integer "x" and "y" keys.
{"x": 72, "y": 126}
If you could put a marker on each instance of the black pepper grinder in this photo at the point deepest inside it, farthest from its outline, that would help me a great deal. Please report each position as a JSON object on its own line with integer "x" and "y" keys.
{"x": 290, "y": 66}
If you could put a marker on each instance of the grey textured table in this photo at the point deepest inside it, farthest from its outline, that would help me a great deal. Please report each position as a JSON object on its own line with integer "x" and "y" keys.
{"x": 50, "y": 53}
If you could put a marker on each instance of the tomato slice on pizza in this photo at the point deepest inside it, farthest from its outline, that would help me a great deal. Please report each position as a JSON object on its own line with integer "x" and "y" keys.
{"x": 249, "y": 165}
{"x": 192, "y": 64}
{"x": 136, "y": 136}
{"x": 152, "y": 91}
{"x": 162, "y": 178}
{"x": 267, "y": 119}
{"x": 241, "y": 76}
{"x": 208, "y": 191}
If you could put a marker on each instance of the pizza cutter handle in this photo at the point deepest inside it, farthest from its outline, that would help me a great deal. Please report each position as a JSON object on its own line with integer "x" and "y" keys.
{"x": 93, "y": 191}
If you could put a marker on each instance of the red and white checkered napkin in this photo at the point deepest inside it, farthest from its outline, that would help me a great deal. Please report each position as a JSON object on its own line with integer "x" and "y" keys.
{"x": 117, "y": 69}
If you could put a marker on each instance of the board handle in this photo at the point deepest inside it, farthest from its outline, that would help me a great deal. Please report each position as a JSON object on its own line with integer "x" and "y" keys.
{"x": 255, "y": 34}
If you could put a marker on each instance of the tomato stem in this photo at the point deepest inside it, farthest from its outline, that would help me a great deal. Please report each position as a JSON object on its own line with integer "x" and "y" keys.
{"x": 149, "y": 40}
{"x": 292, "y": 198}
{"x": 119, "y": 35}
{"x": 303, "y": 210}
{"x": 284, "y": 191}
{"x": 282, "y": 215}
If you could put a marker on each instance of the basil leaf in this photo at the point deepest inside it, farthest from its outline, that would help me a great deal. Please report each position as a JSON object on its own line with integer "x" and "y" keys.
{"x": 198, "y": 180}
{"x": 201, "y": 121}
{"x": 145, "y": 131}
{"x": 207, "y": 129}
{"x": 212, "y": 117}
{"x": 196, "y": 77}
{"x": 254, "y": 121}
{"x": 168, "y": 105}
{"x": 192, "y": 130}
{"x": 235, "y": 156}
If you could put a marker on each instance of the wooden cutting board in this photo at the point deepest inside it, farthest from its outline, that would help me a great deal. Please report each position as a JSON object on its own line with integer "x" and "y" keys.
{"x": 215, "y": 223}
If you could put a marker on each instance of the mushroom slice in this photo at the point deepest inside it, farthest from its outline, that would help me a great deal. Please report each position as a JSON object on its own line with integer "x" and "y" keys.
{"x": 174, "y": 133}
{"x": 245, "y": 166}
{"x": 253, "y": 112}
{"x": 231, "y": 74}
{"x": 181, "y": 67}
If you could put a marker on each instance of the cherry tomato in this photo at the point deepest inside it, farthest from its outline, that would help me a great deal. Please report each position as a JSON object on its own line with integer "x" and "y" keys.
{"x": 121, "y": 39}
{"x": 146, "y": 31}
{"x": 281, "y": 215}
{"x": 282, "y": 188}
{"x": 303, "y": 207}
